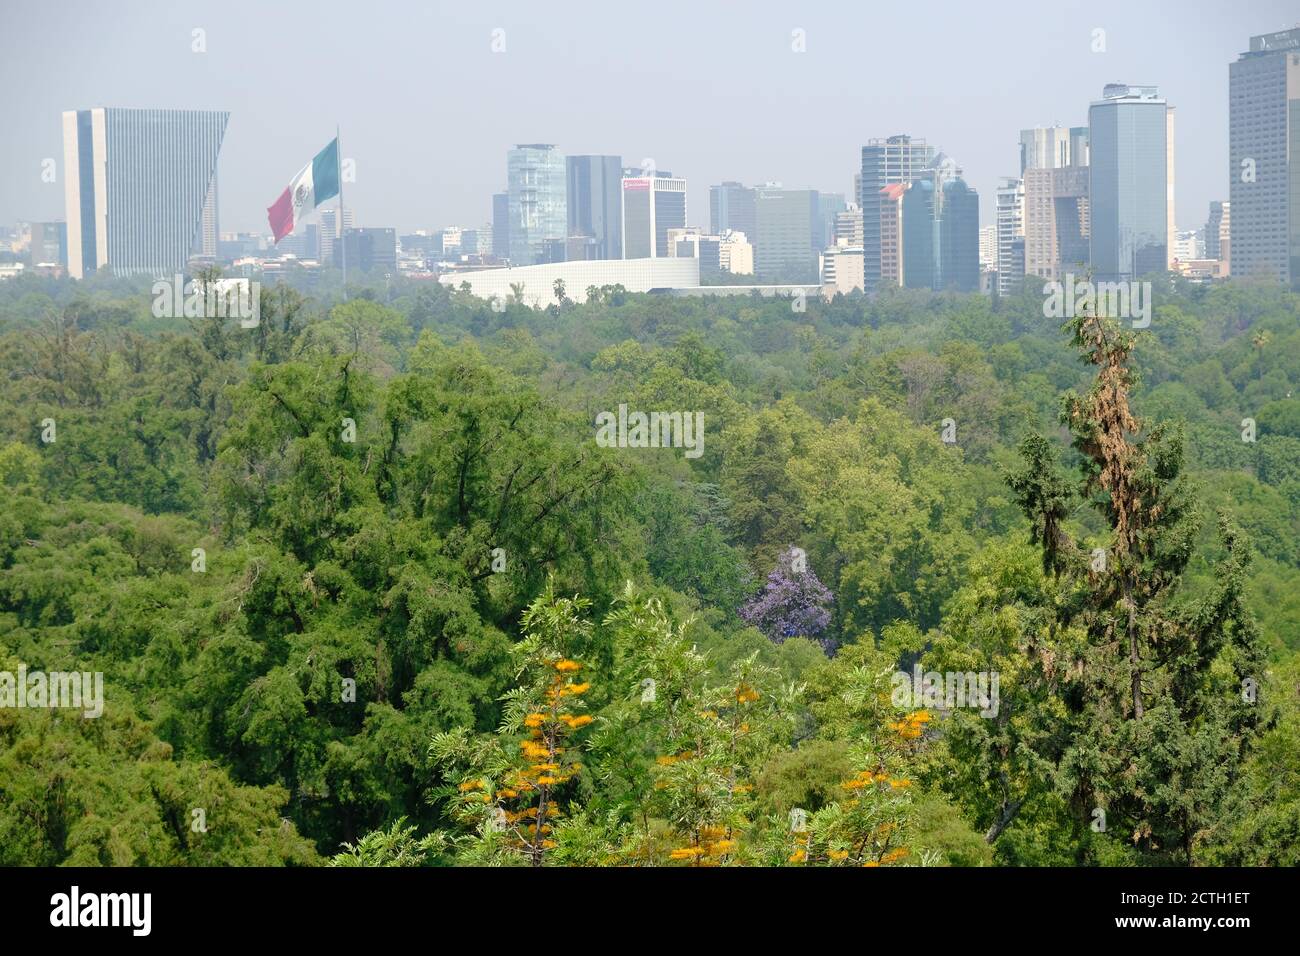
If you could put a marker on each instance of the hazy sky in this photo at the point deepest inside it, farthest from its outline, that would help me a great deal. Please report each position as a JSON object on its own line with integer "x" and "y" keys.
{"x": 709, "y": 89}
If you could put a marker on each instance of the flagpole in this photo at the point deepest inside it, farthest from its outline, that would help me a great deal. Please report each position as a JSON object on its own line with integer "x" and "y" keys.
{"x": 338, "y": 160}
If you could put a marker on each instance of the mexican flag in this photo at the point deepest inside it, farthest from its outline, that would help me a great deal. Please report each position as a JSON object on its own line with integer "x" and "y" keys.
{"x": 315, "y": 183}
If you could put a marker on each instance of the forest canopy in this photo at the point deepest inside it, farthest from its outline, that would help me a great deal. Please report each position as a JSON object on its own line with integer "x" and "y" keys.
{"x": 365, "y": 589}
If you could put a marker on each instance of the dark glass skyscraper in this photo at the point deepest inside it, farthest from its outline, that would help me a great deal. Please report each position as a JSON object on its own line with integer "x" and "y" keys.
{"x": 595, "y": 202}
{"x": 959, "y": 239}
{"x": 1128, "y": 182}
{"x": 501, "y": 225}
{"x": 732, "y": 206}
{"x": 941, "y": 226}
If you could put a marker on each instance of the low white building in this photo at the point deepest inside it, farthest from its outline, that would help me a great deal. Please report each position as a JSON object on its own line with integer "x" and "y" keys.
{"x": 537, "y": 283}
{"x": 843, "y": 269}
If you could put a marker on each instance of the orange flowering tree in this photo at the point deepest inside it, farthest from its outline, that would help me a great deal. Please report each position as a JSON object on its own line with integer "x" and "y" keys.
{"x": 681, "y": 749}
{"x": 511, "y": 787}
{"x": 870, "y": 823}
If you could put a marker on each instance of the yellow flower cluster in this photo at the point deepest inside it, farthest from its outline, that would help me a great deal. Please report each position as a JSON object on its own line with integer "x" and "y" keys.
{"x": 714, "y": 842}
{"x": 746, "y": 694}
{"x": 802, "y": 842}
{"x": 671, "y": 759}
{"x": 912, "y": 726}
{"x": 864, "y": 779}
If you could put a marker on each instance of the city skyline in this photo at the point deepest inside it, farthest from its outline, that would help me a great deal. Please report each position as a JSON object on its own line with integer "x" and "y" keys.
{"x": 761, "y": 129}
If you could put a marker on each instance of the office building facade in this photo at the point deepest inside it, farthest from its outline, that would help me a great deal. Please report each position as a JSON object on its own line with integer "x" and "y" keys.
{"x": 940, "y": 234}
{"x": 1129, "y": 182}
{"x": 595, "y": 203}
{"x": 897, "y": 159}
{"x": 732, "y": 206}
{"x": 1264, "y": 158}
{"x": 652, "y": 205}
{"x": 1057, "y": 225}
{"x": 136, "y": 183}
{"x": 789, "y": 234}
{"x": 1011, "y": 234}
{"x": 536, "y": 187}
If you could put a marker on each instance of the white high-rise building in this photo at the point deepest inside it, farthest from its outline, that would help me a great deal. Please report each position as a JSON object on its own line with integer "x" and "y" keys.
{"x": 1011, "y": 234}
{"x": 330, "y": 231}
{"x": 652, "y": 205}
{"x": 989, "y": 248}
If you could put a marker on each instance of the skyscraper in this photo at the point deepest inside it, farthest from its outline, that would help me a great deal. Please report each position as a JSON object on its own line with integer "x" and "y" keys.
{"x": 848, "y": 226}
{"x": 595, "y": 202}
{"x": 959, "y": 237}
{"x": 898, "y": 159}
{"x": 1128, "y": 131}
{"x": 891, "y": 234}
{"x": 501, "y": 225}
{"x": 1054, "y": 172}
{"x": 536, "y": 183}
{"x": 136, "y": 182}
{"x": 1213, "y": 226}
{"x": 940, "y": 227}
{"x": 731, "y": 206}
{"x": 1264, "y": 158}
{"x": 209, "y": 226}
{"x": 989, "y": 248}
{"x": 920, "y": 235}
{"x": 789, "y": 234}
{"x": 651, "y": 206}
{"x": 1052, "y": 147}
{"x": 1011, "y": 234}
{"x": 1056, "y": 221}
{"x": 330, "y": 230}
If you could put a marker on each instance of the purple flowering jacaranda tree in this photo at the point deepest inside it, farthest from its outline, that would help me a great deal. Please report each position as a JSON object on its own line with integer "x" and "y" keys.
{"x": 793, "y": 603}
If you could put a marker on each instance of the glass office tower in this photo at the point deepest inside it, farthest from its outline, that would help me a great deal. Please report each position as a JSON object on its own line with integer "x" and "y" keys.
{"x": 789, "y": 234}
{"x": 595, "y": 202}
{"x": 536, "y": 185}
{"x": 1128, "y": 183}
{"x": 732, "y": 206}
